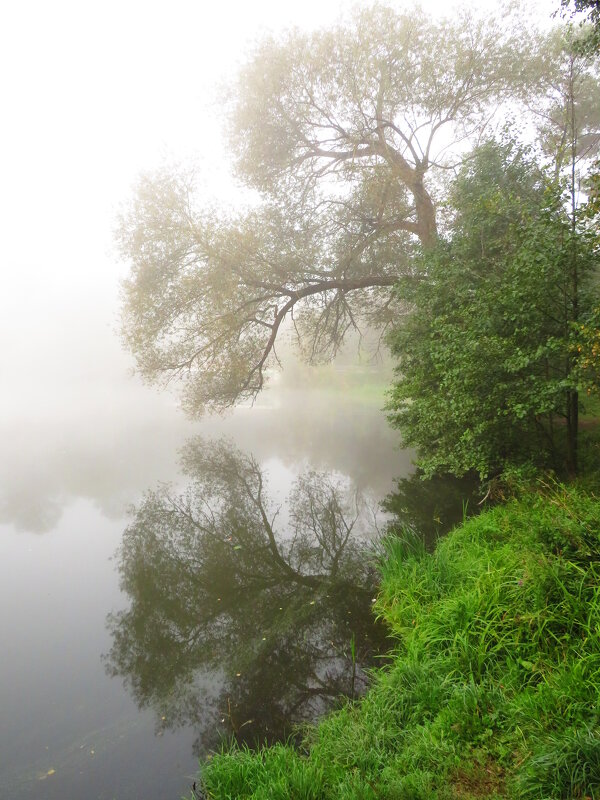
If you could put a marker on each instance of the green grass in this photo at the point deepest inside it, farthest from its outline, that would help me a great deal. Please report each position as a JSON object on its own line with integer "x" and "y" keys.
{"x": 494, "y": 690}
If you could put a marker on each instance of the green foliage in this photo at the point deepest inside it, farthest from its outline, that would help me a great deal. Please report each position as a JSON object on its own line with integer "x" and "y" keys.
{"x": 494, "y": 688}
{"x": 591, "y": 210}
{"x": 591, "y": 10}
{"x": 485, "y": 363}
{"x": 344, "y": 137}
{"x": 589, "y": 7}
{"x": 586, "y": 348}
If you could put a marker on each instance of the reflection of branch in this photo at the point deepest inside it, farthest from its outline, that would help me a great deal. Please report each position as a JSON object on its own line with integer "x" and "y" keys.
{"x": 308, "y": 692}
{"x": 327, "y": 520}
{"x": 307, "y": 580}
{"x": 188, "y": 515}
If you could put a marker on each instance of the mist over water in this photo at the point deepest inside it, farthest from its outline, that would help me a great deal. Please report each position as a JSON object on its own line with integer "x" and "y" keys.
{"x": 83, "y": 440}
{"x": 106, "y": 438}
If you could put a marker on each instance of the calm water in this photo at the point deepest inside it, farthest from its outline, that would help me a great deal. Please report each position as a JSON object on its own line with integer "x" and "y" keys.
{"x": 132, "y": 642}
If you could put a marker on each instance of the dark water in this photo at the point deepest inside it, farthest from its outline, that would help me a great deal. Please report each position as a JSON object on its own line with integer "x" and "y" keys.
{"x": 233, "y": 600}
{"x": 430, "y": 508}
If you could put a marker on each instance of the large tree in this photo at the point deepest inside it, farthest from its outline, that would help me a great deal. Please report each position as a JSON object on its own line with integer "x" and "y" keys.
{"x": 346, "y": 135}
{"x": 486, "y": 372}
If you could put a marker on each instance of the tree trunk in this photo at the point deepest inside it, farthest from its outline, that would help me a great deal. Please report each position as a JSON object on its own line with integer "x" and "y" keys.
{"x": 572, "y": 395}
{"x": 572, "y": 430}
{"x": 426, "y": 220}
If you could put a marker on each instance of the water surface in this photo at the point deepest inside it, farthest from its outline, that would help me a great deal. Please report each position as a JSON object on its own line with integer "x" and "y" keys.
{"x": 92, "y": 705}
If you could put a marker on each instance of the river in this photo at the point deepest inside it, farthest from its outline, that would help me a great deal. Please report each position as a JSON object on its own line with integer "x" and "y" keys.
{"x": 119, "y": 666}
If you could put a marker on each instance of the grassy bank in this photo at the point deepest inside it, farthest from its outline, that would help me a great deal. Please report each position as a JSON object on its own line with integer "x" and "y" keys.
{"x": 495, "y": 687}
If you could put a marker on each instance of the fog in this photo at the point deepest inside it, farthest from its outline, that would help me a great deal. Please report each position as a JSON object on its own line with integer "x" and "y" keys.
{"x": 92, "y": 96}
{"x": 110, "y": 441}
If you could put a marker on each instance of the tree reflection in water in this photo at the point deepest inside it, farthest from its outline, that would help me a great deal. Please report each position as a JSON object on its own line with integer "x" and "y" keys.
{"x": 430, "y": 508}
{"x": 244, "y": 618}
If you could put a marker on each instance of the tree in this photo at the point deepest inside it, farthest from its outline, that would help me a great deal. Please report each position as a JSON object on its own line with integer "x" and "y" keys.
{"x": 237, "y": 615}
{"x": 570, "y": 134}
{"x": 591, "y": 10}
{"x": 486, "y": 369}
{"x": 568, "y": 111}
{"x": 345, "y": 134}
{"x": 589, "y": 7}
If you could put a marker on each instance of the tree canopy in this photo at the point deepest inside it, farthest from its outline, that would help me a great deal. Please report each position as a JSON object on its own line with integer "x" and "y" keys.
{"x": 486, "y": 368}
{"x": 346, "y": 135}
{"x": 591, "y": 11}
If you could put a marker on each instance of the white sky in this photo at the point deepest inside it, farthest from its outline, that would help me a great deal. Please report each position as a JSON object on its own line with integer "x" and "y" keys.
{"x": 91, "y": 94}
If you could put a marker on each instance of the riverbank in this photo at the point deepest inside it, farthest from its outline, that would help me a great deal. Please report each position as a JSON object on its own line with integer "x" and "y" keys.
{"x": 494, "y": 689}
